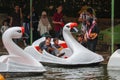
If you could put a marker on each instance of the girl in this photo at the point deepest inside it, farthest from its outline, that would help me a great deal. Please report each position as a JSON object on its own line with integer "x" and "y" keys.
{"x": 4, "y": 27}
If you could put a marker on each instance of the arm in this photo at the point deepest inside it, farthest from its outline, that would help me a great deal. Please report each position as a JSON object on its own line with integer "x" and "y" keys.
{"x": 60, "y": 48}
{"x": 55, "y": 22}
{"x": 95, "y": 33}
{"x": 85, "y": 37}
{"x": 11, "y": 20}
{"x": 40, "y": 50}
{"x": 1, "y": 29}
{"x": 21, "y": 15}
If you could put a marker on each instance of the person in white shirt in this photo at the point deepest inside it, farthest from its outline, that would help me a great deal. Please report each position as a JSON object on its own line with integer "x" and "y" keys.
{"x": 44, "y": 25}
{"x": 4, "y": 27}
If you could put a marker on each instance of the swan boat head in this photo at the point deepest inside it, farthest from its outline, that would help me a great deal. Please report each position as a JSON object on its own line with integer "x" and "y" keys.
{"x": 71, "y": 27}
{"x": 9, "y": 35}
{"x": 14, "y": 33}
{"x": 18, "y": 60}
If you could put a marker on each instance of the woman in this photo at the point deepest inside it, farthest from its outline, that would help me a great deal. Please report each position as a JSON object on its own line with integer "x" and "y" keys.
{"x": 44, "y": 24}
{"x": 91, "y": 34}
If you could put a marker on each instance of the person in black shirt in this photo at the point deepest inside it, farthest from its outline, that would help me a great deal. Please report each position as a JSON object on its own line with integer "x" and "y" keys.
{"x": 91, "y": 34}
{"x": 16, "y": 16}
{"x": 43, "y": 43}
{"x": 35, "y": 20}
{"x": 16, "y": 19}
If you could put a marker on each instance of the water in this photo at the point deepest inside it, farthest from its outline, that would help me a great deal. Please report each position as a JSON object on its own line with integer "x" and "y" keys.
{"x": 74, "y": 73}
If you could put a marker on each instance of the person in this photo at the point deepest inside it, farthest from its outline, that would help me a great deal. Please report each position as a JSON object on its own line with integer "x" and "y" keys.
{"x": 89, "y": 12}
{"x": 56, "y": 45}
{"x": 35, "y": 19}
{"x": 91, "y": 35}
{"x": 43, "y": 43}
{"x": 4, "y": 26}
{"x": 58, "y": 21}
{"x": 26, "y": 24}
{"x": 44, "y": 25}
{"x": 80, "y": 39}
{"x": 46, "y": 45}
{"x": 16, "y": 19}
{"x": 16, "y": 16}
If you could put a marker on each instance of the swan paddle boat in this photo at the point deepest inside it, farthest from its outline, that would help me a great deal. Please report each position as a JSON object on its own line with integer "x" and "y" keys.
{"x": 18, "y": 60}
{"x": 75, "y": 53}
{"x": 113, "y": 63}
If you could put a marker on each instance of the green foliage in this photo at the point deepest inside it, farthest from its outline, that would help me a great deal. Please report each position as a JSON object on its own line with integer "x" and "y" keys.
{"x": 106, "y": 35}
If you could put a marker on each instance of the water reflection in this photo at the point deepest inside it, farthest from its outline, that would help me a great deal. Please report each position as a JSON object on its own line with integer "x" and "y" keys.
{"x": 114, "y": 74}
{"x": 74, "y": 73}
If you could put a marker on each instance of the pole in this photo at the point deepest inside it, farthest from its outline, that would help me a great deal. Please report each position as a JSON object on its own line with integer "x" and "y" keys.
{"x": 31, "y": 34}
{"x": 112, "y": 28}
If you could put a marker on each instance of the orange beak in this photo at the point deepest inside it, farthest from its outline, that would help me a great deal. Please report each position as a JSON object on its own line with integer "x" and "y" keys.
{"x": 73, "y": 25}
{"x": 22, "y": 29}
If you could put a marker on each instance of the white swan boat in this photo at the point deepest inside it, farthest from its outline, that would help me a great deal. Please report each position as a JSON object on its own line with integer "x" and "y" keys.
{"x": 75, "y": 53}
{"x": 17, "y": 60}
{"x": 113, "y": 63}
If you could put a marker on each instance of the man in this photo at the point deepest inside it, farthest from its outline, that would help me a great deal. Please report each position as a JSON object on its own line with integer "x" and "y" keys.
{"x": 16, "y": 16}
{"x": 46, "y": 45}
{"x": 43, "y": 43}
{"x": 56, "y": 44}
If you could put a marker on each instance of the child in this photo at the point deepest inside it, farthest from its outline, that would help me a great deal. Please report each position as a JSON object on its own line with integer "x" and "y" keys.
{"x": 4, "y": 26}
{"x": 80, "y": 38}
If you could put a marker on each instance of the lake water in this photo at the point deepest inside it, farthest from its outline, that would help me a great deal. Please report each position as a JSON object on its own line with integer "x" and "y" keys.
{"x": 74, "y": 73}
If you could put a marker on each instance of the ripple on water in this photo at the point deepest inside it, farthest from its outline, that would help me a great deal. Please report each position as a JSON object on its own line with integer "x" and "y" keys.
{"x": 74, "y": 73}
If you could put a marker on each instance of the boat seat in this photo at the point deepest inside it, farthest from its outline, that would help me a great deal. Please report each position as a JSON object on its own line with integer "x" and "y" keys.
{"x": 64, "y": 45}
{"x": 37, "y": 48}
